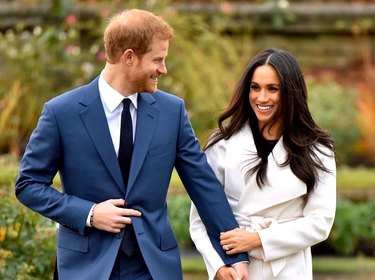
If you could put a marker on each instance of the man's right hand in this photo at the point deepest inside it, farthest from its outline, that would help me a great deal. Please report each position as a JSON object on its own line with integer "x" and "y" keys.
{"x": 112, "y": 216}
{"x": 226, "y": 273}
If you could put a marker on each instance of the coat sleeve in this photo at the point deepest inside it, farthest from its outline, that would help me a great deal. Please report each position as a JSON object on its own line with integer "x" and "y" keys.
{"x": 204, "y": 189}
{"x": 197, "y": 229}
{"x": 38, "y": 168}
{"x": 315, "y": 224}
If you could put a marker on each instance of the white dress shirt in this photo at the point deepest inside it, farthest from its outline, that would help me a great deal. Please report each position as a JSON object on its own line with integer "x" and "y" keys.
{"x": 112, "y": 104}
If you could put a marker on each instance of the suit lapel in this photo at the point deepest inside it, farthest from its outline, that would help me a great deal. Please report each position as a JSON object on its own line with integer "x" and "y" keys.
{"x": 147, "y": 115}
{"x": 94, "y": 119}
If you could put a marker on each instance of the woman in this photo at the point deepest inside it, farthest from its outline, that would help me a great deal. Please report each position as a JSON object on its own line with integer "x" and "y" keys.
{"x": 278, "y": 170}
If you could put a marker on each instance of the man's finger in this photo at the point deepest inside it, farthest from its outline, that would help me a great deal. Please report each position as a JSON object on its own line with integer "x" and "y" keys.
{"x": 117, "y": 202}
{"x": 130, "y": 212}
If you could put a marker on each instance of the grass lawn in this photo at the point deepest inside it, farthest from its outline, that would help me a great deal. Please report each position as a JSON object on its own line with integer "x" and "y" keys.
{"x": 360, "y": 177}
{"x": 347, "y": 178}
{"x": 343, "y": 265}
{"x": 321, "y": 265}
{"x": 193, "y": 264}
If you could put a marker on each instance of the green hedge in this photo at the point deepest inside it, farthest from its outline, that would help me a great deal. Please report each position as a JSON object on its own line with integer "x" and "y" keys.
{"x": 353, "y": 232}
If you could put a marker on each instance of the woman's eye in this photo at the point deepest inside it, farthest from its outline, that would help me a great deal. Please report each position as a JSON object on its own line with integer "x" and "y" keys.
{"x": 254, "y": 87}
{"x": 273, "y": 89}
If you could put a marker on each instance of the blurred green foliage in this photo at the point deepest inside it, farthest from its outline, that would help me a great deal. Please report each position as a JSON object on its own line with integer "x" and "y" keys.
{"x": 353, "y": 232}
{"x": 204, "y": 64}
{"x": 27, "y": 241}
{"x": 37, "y": 65}
{"x": 178, "y": 212}
{"x": 41, "y": 63}
{"x": 333, "y": 107}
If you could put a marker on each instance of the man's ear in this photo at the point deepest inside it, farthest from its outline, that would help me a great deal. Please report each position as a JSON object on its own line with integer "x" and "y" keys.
{"x": 128, "y": 56}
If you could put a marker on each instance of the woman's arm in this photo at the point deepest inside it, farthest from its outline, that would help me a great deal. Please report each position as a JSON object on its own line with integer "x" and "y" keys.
{"x": 282, "y": 238}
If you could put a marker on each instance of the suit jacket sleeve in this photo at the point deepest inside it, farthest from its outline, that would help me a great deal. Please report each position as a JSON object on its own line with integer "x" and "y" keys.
{"x": 198, "y": 231}
{"x": 204, "y": 189}
{"x": 38, "y": 167}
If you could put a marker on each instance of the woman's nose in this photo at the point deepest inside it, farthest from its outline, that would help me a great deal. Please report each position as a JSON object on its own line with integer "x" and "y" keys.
{"x": 263, "y": 95}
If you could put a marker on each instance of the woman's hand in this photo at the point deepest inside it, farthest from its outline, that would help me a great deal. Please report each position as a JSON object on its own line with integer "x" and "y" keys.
{"x": 239, "y": 240}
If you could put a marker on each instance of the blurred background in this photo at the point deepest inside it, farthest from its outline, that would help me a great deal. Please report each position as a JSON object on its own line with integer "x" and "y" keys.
{"x": 50, "y": 46}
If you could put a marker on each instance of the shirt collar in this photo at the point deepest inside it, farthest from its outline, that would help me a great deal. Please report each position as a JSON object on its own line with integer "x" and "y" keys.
{"x": 111, "y": 97}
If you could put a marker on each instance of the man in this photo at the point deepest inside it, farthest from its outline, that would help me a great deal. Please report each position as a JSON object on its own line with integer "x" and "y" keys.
{"x": 113, "y": 220}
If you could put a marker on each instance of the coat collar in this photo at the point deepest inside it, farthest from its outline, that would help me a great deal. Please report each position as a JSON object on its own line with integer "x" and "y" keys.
{"x": 282, "y": 184}
{"x": 147, "y": 116}
{"x": 93, "y": 117}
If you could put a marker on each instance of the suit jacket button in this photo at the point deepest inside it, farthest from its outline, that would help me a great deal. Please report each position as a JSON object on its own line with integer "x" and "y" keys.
{"x": 120, "y": 234}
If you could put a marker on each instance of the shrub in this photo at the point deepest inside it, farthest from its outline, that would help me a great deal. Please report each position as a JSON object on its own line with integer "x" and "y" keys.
{"x": 45, "y": 61}
{"x": 37, "y": 65}
{"x": 27, "y": 241}
{"x": 333, "y": 108}
{"x": 353, "y": 232}
{"x": 178, "y": 211}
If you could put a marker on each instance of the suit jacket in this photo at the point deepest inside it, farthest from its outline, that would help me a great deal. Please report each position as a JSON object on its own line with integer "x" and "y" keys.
{"x": 72, "y": 138}
{"x": 287, "y": 225}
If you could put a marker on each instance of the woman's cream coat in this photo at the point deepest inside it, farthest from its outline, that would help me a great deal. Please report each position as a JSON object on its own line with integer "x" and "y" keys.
{"x": 287, "y": 226}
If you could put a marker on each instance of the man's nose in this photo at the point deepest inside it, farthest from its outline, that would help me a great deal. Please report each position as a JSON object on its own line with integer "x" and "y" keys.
{"x": 163, "y": 69}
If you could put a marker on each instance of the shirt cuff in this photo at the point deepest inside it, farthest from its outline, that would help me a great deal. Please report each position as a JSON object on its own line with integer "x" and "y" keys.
{"x": 89, "y": 217}
{"x": 233, "y": 265}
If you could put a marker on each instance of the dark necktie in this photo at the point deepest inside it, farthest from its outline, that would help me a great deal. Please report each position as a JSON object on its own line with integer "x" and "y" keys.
{"x": 128, "y": 244}
{"x": 126, "y": 142}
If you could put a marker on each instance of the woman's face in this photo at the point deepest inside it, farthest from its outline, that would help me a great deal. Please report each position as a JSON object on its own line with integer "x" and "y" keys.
{"x": 264, "y": 96}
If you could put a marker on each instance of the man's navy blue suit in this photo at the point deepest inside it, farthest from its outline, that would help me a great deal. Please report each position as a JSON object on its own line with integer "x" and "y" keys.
{"x": 72, "y": 137}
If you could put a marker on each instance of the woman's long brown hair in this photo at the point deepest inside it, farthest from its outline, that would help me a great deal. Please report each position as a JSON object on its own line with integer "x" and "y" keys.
{"x": 302, "y": 137}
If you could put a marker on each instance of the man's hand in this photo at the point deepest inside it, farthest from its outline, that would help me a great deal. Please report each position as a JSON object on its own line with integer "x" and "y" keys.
{"x": 226, "y": 273}
{"x": 242, "y": 270}
{"x": 111, "y": 216}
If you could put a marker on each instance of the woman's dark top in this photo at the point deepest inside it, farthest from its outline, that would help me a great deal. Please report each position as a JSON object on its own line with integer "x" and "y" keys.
{"x": 264, "y": 146}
